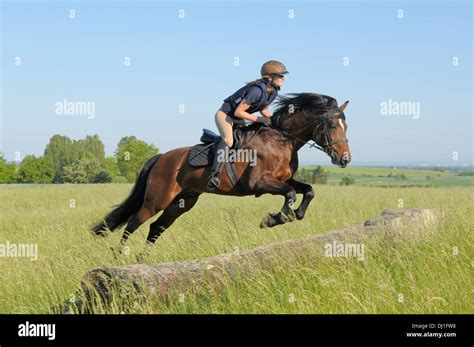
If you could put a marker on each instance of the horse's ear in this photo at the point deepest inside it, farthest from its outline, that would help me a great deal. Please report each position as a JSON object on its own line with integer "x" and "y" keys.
{"x": 343, "y": 106}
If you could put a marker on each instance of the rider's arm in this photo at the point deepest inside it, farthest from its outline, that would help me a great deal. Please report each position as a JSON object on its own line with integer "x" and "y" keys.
{"x": 253, "y": 95}
{"x": 241, "y": 111}
{"x": 265, "y": 112}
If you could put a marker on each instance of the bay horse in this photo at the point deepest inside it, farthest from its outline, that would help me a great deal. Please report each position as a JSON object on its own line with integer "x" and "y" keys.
{"x": 168, "y": 183}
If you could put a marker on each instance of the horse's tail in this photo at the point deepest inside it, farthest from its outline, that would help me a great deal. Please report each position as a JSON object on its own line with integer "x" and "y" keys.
{"x": 121, "y": 213}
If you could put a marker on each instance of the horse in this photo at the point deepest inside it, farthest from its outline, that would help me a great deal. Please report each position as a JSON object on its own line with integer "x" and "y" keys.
{"x": 169, "y": 184}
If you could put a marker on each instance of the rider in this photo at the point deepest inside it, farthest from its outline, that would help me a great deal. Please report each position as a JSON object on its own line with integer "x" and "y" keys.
{"x": 254, "y": 96}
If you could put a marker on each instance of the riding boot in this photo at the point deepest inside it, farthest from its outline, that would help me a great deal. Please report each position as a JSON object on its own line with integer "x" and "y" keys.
{"x": 219, "y": 161}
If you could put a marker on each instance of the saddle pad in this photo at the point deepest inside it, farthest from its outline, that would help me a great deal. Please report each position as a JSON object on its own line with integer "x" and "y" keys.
{"x": 201, "y": 155}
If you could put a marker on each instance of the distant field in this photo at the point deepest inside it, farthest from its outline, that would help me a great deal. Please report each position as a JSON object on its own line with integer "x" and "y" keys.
{"x": 430, "y": 273}
{"x": 375, "y": 176}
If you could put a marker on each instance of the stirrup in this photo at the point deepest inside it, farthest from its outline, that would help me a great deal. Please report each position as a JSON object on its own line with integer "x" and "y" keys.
{"x": 214, "y": 182}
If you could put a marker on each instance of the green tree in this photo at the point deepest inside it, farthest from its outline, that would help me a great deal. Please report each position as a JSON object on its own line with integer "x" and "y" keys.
{"x": 110, "y": 166}
{"x": 302, "y": 175}
{"x": 102, "y": 177}
{"x": 466, "y": 173}
{"x": 91, "y": 144}
{"x": 319, "y": 175}
{"x": 84, "y": 170}
{"x": 60, "y": 152}
{"x": 347, "y": 180}
{"x": 7, "y": 171}
{"x": 35, "y": 170}
{"x": 131, "y": 154}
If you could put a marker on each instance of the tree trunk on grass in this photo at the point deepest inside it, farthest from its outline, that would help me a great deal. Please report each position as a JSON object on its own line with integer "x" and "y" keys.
{"x": 101, "y": 284}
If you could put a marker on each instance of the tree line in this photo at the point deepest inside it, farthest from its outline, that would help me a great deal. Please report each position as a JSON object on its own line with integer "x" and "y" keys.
{"x": 315, "y": 175}
{"x": 79, "y": 161}
{"x": 84, "y": 161}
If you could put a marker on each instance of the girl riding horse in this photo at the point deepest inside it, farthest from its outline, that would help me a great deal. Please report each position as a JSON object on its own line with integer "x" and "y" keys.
{"x": 256, "y": 96}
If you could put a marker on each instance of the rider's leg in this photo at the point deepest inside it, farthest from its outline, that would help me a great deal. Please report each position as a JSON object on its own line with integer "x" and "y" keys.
{"x": 224, "y": 125}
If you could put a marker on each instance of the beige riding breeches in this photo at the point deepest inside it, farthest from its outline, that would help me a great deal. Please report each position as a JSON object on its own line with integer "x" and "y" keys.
{"x": 224, "y": 125}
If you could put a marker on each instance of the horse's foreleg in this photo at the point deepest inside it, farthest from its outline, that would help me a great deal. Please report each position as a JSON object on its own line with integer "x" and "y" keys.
{"x": 286, "y": 214}
{"x": 308, "y": 195}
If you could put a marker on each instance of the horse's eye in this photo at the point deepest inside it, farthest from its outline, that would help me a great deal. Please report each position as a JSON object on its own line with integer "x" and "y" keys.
{"x": 332, "y": 126}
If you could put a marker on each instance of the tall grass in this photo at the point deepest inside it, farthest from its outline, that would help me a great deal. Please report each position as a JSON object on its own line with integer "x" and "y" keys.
{"x": 427, "y": 273}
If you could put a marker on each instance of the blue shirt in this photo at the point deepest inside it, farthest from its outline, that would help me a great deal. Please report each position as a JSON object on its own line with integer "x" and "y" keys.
{"x": 253, "y": 94}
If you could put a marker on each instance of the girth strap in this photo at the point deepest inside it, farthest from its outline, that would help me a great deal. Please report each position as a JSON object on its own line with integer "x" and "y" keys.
{"x": 232, "y": 174}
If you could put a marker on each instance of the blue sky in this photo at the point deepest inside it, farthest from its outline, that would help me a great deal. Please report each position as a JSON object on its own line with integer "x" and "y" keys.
{"x": 191, "y": 61}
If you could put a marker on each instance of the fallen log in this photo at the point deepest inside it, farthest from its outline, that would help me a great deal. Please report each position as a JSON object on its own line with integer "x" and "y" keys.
{"x": 161, "y": 279}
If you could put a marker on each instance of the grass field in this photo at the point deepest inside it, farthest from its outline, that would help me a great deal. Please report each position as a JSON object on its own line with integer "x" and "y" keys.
{"x": 391, "y": 177}
{"x": 431, "y": 273}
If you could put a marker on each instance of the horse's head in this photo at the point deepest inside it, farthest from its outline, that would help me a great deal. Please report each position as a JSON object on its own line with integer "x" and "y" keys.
{"x": 310, "y": 116}
{"x": 330, "y": 135}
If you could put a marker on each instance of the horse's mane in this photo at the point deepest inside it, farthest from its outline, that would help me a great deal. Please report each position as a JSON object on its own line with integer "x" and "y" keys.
{"x": 317, "y": 105}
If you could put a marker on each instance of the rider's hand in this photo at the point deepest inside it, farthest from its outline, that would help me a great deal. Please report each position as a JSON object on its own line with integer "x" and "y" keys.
{"x": 264, "y": 120}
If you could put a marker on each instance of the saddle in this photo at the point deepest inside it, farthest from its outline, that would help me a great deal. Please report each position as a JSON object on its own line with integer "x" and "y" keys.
{"x": 203, "y": 153}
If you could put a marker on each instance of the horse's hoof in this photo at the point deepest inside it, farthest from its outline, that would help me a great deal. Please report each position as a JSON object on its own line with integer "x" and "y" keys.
{"x": 264, "y": 223}
{"x": 268, "y": 221}
{"x": 299, "y": 215}
{"x": 99, "y": 232}
{"x": 273, "y": 219}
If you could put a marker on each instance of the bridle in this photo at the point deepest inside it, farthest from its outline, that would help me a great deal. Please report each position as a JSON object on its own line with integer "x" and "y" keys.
{"x": 326, "y": 147}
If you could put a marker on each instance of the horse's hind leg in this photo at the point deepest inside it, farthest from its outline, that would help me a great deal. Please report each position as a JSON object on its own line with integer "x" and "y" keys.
{"x": 157, "y": 199}
{"x": 135, "y": 221}
{"x": 181, "y": 204}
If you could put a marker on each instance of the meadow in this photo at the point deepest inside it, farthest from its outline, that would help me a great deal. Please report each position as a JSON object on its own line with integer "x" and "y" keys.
{"x": 395, "y": 176}
{"x": 427, "y": 273}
